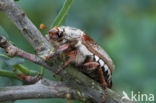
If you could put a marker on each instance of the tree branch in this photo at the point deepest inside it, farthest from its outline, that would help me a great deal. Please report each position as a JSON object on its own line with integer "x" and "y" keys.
{"x": 42, "y": 89}
{"x": 48, "y": 89}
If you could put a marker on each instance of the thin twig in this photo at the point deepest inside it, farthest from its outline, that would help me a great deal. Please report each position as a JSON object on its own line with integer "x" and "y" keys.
{"x": 21, "y": 67}
{"x": 12, "y": 51}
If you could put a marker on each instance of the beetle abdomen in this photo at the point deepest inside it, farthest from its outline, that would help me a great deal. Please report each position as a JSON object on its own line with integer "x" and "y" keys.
{"x": 105, "y": 69}
{"x": 84, "y": 55}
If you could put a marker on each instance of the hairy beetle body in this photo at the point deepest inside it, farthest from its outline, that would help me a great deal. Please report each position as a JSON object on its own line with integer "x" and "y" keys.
{"x": 89, "y": 55}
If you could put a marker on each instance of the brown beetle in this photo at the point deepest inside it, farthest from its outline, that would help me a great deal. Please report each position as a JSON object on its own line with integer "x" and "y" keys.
{"x": 82, "y": 51}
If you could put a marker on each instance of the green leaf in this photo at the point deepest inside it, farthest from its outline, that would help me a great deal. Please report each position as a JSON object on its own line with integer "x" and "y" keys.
{"x": 6, "y": 73}
{"x": 42, "y": 71}
{"x": 59, "y": 20}
{"x": 3, "y": 32}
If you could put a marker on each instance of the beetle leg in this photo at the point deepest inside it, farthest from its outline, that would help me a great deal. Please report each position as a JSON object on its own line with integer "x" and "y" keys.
{"x": 102, "y": 78}
{"x": 95, "y": 65}
{"x": 72, "y": 55}
{"x": 103, "y": 82}
{"x": 59, "y": 50}
{"x": 91, "y": 65}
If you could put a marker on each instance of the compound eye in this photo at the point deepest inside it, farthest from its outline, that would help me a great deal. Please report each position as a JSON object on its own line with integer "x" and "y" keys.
{"x": 60, "y": 34}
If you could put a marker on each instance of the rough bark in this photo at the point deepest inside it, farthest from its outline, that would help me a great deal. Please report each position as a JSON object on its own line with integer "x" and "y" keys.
{"x": 42, "y": 89}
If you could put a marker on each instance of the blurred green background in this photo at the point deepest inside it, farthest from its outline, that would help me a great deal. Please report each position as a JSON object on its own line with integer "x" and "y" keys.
{"x": 126, "y": 29}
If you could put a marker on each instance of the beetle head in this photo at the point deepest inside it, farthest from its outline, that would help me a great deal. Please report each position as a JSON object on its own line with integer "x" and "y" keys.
{"x": 64, "y": 34}
{"x": 55, "y": 34}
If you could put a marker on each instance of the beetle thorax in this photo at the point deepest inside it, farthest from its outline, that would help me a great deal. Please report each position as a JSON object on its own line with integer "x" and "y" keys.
{"x": 71, "y": 33}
